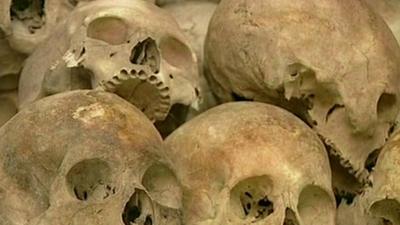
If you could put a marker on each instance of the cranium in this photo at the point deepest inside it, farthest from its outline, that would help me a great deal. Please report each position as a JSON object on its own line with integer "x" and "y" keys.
{"x": 380, "y": 204}
{"x": 251, "y": 163}
{"x": 84, "y": 127}
{"x": 29, "y": 22}
{"x": 114, "y": 46}
{"x": 332, "y": 63}
{"x": 193, "y": 18}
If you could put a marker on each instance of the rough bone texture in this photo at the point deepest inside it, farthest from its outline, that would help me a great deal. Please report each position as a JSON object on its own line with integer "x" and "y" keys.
{"x": 235, "y": 168}
{"x": 69, "y": 150}
{"x": 332, "y": 63}
{"x": 115, "y": 47}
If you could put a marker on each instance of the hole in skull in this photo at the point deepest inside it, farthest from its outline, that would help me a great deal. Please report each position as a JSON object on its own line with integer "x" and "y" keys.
{"x": 112, "y": 30}
{"x": 249, "y": 198}
{"x": 372, "y": 159}
{"x": 162, "y": 185}
{"x": 386, "y": 211}
{"x": 146, "y": 53}
{"x": 29, "y": 12}
{"x": 175, "y": 118}
{"x": 176, "y": 53}
{"x": 90, "y": 179}
{"x": 387, "y": 106}
{"x": 138, "y": 210}
{"x": 315, "y": 206}
{"x": 331, "y": 110}
{"x": 290, "y": 218}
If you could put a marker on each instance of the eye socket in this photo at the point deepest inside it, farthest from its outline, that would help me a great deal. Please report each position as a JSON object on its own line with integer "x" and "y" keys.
{"x": 112, "y": 30}
{"x": 175, "y": 52}
{"x": 312, "y": 198}
{"x": 387, "y": 106}
{"x": 163, "y": 186}
{"x": 90, "y": 180}
{"x": 249, "y": 200}
{"x": 387, "y": 211}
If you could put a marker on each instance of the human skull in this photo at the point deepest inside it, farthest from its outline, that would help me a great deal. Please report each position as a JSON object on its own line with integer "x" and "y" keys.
{"x": 29, "y": 22}
{"x": 71, "y": 125}
{"x": 251, "y": 163}
{"x": 390, "y": 11}
{"x": 10, "y": 67}
{"x": 193, "y": 18}
{"x": 114, "y": 46}
{"x": 332, "y": 63}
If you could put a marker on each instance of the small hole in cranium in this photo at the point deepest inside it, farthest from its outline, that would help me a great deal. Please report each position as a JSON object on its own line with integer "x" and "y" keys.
{"x": 175, "y": 52}
{"x": 90, "y": 179}
{"x": 112, "y": 30}
{"x": 249, "y": 198}
{"x": 387, "y": 106}
{"x": 146, "y": 53}
{"x": 290, "y": 218}
{"x": 315, "y": 206}
{"x": 162, "y": 185}
{"x": 30, "y": 12}
{"x": 138, "y": 210}
{"x": 387, "y": 212}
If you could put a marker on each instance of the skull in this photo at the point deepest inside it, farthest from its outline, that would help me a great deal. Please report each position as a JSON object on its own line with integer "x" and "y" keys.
{"x": 29, "y": 22}
{"x": 193, "y": 18}
{"x": 380, "y": 205}
{"x": 332, "y": 63}
{"x": 10, "y": 67}
{"x": 35, "y": 142}
{"x": 251, "y": 163}
{"x": 390, "y": 11}
{"x": 114, "y": 46}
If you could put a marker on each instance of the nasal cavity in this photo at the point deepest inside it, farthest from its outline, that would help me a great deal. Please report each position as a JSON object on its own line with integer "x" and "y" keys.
{"x": 138, "y": 210}
{"x": 112, "y": 30}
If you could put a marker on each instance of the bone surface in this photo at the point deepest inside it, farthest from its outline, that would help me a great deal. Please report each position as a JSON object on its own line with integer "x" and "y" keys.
{"x": 76, "y": 151}
{"x": 114, "y": 46}
{"x": 250, "y": 163}
{"x": 332, "y": 63}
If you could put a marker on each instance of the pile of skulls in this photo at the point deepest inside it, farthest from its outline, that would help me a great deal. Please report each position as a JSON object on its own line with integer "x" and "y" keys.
{"x": 190, "y": 112}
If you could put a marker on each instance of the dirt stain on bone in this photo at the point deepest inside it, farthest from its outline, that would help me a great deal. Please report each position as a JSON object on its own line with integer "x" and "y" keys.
{"x": 88, "y": 113}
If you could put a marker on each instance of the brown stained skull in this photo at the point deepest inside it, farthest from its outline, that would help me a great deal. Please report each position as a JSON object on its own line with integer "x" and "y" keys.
{"x": 29, "y": 22}
{"x": 332, "y": 63}
{"x": 251, "y": 163}
{"x": 380, "y": 205}
{"x": 94, "y": 138}
{"x": 114, "y": 46}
